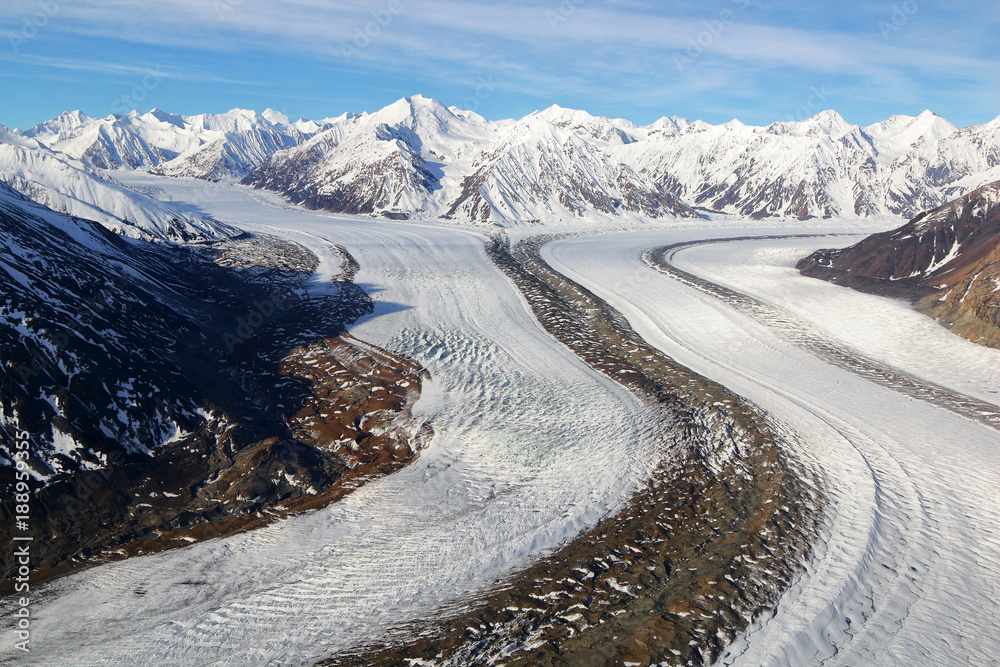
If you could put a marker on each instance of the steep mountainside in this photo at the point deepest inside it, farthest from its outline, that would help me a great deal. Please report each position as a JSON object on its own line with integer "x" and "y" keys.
{"x": 107, "y": 143}
{"x": 66, "y": 185}
{"x": 819, "y": 167}
{"x": 389, "y": 163}
{"x": 539, "y": 170}
{"x": 208, "y": 146}
{"x": 561, "y": 164}
{"x": 166, "y": 388}
{"x": 417, "y": 158}
{"x": 946, "y": 260}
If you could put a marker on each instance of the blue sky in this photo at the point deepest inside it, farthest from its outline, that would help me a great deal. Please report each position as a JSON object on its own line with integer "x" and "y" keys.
{"x": 748, "y": 59}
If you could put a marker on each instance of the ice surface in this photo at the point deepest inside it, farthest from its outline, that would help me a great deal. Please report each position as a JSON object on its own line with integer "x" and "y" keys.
{"x": 888, "y": 330}
{"x": 531, "y": 448}
{"x": 908, "y": 570}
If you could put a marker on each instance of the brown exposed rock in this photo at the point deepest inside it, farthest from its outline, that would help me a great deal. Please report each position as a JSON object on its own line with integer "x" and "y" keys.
{"x": 945, "y": 261}
{"x": 354, "y": 424}
{"x": 706, "y": 547}
{"x": 289, "y": 412}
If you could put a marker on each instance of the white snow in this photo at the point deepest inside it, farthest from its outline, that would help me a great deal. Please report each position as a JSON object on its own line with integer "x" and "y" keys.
{"x": 898, "y": 135}
{"x": 217, "y": 146}
{"x": 418, "y": 157}
{"x": 67, "y": 186}
{"x": 907, "y": 571}
{"x": 888, "y": 330}
{"x": 532, "y": 447}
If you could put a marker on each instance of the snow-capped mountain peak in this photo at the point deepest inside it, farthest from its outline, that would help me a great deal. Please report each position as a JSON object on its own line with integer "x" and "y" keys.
{"x": 223, "y": 146}
{"x": 897, "y": 135}
{"x": 418, "y": 157}
{"x": 671, "y": 126}
{"x": 581, "y": 123}
{"x": 66, "y": 185}
{"x": 160, "y": 116}
{"x": 14, "y": 138}
{"x": 275, "y": 117}
{"x": 472, "y": 117}
{"x": 63, "y": 123}
{"x": 827, "y": 123}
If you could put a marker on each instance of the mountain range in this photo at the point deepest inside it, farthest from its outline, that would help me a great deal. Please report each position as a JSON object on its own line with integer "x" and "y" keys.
{"x": 210, "y": 146}
{"x": 67, "y": 185}
{"x": 419, "y": 159}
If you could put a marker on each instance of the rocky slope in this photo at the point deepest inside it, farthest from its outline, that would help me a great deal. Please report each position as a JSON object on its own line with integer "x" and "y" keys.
{"x": 947, "y": 261}
{"x": 152, "y": 394}
{"x": 67, "y": 185}
{"x": 417, "y": 158}
{"x": 208, "y": 146}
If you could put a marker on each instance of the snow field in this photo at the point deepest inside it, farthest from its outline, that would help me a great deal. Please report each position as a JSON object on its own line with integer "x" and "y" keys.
{"x": 887, "y": 330}
{"x": 531, "y": 448}
{"x": 907, "y": 571}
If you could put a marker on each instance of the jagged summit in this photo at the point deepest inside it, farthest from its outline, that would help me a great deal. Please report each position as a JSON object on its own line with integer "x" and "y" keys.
{"x": 417, "y": 157}
{"x": 897, "y": 135}
{"x": 582, "y": 123}
{"x": 162, "y": 116}
{"x": 67, "y": 185}
{"x": 827, "y": 123}
{"x": 276, "y": 117}
{"x": 223, "y": 146}
{"x": 64, "y": 122}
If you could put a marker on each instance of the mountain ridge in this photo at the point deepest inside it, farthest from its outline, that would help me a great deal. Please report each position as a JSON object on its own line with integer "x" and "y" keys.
{"x": 417, "y": 158}
{"x": 172, "y": 393}
{"x": 946, "y": 261}
{"x": 66, "y": 185}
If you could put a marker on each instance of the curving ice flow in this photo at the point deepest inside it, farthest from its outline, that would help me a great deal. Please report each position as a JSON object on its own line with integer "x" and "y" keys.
{"x": 887, "y": 330}
{"x": 908, "y": 569}
{"x": 531, "y": 447}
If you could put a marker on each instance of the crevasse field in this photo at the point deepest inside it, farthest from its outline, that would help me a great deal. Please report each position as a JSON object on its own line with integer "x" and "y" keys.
{"x": 532, "y": 447}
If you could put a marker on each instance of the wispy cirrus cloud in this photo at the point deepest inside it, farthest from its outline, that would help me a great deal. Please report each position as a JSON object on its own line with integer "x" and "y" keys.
{"x": 576, "y": 49}
{"x": 120, "y": 69}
